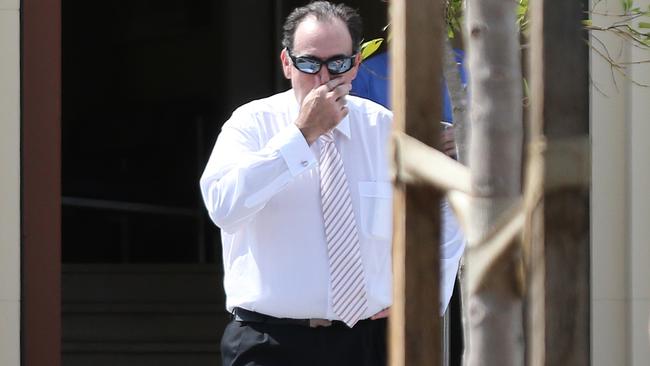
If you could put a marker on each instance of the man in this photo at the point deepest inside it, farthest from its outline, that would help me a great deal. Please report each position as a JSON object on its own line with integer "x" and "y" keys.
{"x": 299, "y": 184}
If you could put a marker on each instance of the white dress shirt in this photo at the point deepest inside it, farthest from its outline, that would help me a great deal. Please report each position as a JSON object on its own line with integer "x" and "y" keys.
{"x": 261, "y": 187}
{"x": 452, "y": 248}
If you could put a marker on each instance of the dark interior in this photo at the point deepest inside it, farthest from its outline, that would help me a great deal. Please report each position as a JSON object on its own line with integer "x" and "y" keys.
{"x": 146, "y": 87}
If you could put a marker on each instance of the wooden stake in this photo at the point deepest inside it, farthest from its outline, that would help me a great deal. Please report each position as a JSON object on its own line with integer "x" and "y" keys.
{"x": 414, "y": 334}
{"x": 558, "y": 206}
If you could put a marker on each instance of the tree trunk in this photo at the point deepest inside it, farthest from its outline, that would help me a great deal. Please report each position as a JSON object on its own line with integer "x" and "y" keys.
{"x": 495, "y": 300}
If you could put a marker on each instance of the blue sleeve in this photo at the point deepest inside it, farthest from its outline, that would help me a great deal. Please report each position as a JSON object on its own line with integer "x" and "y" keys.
{"x": 372, "y": 80}
{"x": 361, "y": 84}
{"x": 447, "y": 113}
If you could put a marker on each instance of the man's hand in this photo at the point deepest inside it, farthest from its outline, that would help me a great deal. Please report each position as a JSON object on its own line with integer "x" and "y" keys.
{"x": 323, "y": 108}
{"x": 382, "y": 314}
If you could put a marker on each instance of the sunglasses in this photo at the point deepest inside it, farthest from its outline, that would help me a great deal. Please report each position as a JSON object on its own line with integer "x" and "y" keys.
{"x": 311, "y": 65}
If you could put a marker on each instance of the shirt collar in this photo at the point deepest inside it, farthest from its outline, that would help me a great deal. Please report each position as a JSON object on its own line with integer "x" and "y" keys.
{"x": 343, "y": 127}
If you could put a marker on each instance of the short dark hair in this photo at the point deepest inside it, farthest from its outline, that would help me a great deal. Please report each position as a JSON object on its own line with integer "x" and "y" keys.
{"x": 323, "y": 10}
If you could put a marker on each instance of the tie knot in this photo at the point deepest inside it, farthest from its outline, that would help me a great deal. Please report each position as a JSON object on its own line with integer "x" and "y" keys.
{"x": 328, "y": 137}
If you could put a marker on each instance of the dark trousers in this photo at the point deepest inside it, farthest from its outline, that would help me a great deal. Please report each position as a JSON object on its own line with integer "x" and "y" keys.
{"x": 264, "y": 344}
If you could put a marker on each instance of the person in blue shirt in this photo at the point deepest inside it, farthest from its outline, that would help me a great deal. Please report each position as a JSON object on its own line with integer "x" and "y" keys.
{"x": 372, "y": 82}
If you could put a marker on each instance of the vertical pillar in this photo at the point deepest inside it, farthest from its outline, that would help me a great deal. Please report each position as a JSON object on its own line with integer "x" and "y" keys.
{"x": 415, "y": 50}
{"x": 560, "y": 291}
{"x": 41, "y": 182}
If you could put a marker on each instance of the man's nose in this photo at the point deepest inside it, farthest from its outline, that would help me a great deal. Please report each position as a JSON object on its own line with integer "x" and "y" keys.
{"x": 323, "y": 75}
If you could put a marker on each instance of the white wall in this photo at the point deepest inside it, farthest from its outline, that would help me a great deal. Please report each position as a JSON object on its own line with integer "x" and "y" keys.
{"x": 9, "y": 183}
{"x": 620, "y": 118}
{"x": 639, "y": 208}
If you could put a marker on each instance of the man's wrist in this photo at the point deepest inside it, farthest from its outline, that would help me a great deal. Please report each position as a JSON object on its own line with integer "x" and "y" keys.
{"x": 309, "y": 134}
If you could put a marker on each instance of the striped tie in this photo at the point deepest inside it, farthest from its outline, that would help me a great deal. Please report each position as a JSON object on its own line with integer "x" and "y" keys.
{"x": 347, "y": 279}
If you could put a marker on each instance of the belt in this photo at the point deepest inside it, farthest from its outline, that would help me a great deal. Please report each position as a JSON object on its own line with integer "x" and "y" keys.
{"x": 244, "y": 315}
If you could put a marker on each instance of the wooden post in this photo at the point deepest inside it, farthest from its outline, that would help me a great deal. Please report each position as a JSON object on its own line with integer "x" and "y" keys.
{"x": 559, "y": 207}
{"x": 41, "y": 183}
{"x": 415, "y": 50}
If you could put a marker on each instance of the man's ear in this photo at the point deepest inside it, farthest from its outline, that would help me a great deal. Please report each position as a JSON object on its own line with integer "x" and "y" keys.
{"x": 357, "y": 64}
{"x": 286, "y": 63}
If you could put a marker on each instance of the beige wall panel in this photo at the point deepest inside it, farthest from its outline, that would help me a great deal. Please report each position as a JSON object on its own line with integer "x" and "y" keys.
{"x": 609, "y": 180}
{"x": 9, "y": 4}
{"x": 609, "y": 228}
{"x": 9, "y": 185}
{"x": 640, "y": 329}
{"x": 640, "y": 208}
{"x": 608, "y": 337}
{"x": 640, "y": 178}
{"x": 9, "y": 333}
{"x": 9, "y": 157}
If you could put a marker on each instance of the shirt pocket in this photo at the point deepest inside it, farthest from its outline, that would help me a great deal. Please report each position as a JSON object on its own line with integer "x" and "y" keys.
{"x": 376, "y": 206}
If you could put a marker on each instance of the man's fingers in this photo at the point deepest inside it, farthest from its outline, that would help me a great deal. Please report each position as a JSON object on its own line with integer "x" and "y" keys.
{"x": 322, "y": 90}
{"x": 341, "y": 91}
{"x": 382, "y": 314}
{"x": 344, "y": 87}
{"x": 334, "y": 88}
{"x": 334, "y": 83}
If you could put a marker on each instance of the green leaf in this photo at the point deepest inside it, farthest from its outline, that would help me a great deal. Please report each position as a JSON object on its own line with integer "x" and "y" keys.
{"x": 587, "y": 22}
{"x": 526, "y": 88}
{"x": 644, "y": 25}
{"x": 627, "y": 4}
{"x": 368, "y": 48}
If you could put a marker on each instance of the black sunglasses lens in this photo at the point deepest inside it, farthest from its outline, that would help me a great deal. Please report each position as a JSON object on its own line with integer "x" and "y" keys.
{"x": 335, "y": 66}
{"x": 340, "y": 65}
{"x": 307, "y": 65}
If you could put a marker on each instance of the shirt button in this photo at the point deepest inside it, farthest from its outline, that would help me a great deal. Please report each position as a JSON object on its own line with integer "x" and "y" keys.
{"x": 304, "y": 163}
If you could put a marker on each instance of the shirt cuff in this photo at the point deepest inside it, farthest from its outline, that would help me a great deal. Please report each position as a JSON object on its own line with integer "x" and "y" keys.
{"x": 294, "y": 149}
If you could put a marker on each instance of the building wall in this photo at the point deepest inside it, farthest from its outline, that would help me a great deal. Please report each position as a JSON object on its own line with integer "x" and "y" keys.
{"x": 620, "y": 203}
{"x": 639, "y": 208}
{"x": 9, "y": 183}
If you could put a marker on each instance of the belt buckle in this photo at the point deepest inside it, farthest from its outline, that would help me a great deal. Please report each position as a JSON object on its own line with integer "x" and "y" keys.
{"x": 314, "y": 323}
